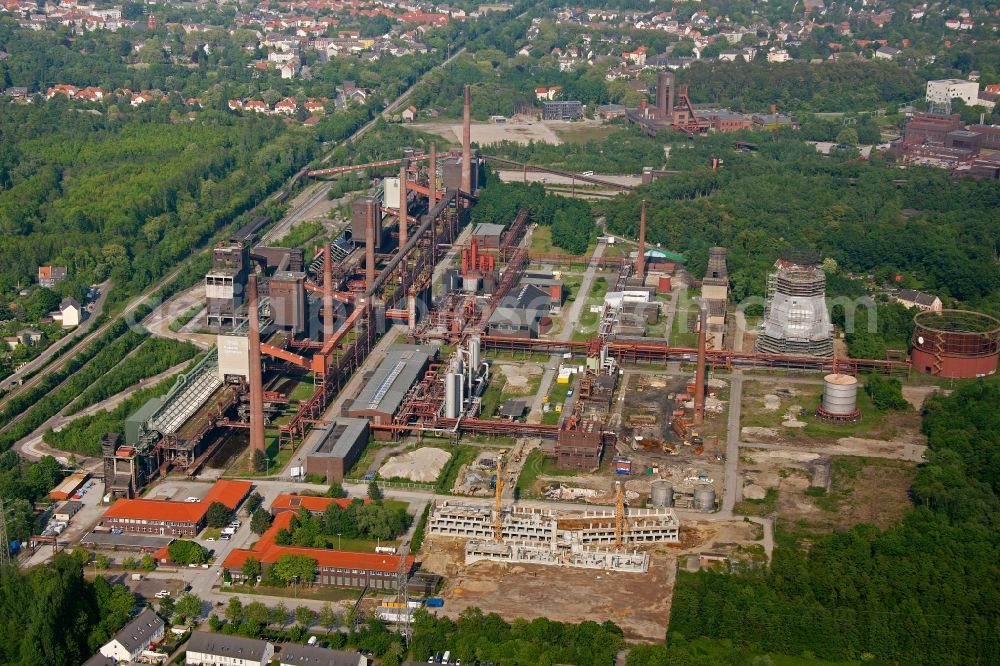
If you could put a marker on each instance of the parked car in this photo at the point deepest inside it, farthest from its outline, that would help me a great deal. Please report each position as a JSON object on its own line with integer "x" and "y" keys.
{"x": 162, "y": 594}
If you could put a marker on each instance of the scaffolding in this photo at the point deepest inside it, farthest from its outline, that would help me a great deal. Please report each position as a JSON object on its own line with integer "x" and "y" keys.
{"x": 796, "y": 320}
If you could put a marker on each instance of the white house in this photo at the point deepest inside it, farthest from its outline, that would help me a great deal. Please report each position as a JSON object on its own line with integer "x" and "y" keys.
{"x": 208, "y": 649}
{"x": 887, "y": 53}
{"x": 778, "y": 55}
{"x": 69, "y": 311}
{"x": 944, "y": 90}
{"x": 409, "y": 113}
{"x": 136, "y": 636}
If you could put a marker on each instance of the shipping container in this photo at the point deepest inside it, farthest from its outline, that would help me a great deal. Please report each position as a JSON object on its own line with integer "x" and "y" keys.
{"x": 435, "y": 602}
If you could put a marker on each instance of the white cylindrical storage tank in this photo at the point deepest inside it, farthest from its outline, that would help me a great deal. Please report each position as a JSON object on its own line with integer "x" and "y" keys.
{"x": 451, "y": 401}
{"x": 475, "y": 345}
{"x": 840, "y": 394}
{"x": 661, "y": 493}
{"x": 704, "y": 497}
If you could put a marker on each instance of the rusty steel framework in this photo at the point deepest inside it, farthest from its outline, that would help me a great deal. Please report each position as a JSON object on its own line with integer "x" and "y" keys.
{"x": 637, "y": 352}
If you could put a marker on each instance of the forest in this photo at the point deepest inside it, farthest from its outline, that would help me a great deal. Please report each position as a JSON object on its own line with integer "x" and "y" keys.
{"x": 925, "y": 592}
{"x": 477, "y": 636}
{"x": 571, "y": 220}
{"x": 802, "y": 86}
{"x": 937, "y": 233}
{"x": 51, "y": 615}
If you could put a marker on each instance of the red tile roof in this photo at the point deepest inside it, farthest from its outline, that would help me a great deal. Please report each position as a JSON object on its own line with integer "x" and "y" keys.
{"x": 291, "y": 502}
{"x": 229, "y": 493}
{"x": 267, "y": 551}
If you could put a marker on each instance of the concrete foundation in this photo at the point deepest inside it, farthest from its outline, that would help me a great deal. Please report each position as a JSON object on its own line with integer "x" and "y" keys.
{"x": 541, "y": 536}
{"x": 583, "y": 558}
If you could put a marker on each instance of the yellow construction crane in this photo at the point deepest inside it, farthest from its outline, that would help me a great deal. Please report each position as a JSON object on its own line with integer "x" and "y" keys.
{"x": 497, "y": 518}
{"x": 621, "y": 523}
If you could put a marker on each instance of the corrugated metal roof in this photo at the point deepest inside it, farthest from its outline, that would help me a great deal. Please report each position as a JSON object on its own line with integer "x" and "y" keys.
{"x": 401, "y": 367}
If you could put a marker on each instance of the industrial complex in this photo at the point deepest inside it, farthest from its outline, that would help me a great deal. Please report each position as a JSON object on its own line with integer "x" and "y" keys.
{"x": 539, "y": 416}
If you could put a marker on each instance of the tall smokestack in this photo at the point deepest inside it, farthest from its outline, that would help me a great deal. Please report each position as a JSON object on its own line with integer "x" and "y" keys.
{"x": 369, "y": 246}
{"x": 699, "y": 377}
{"x": 661, "y": 95}
{"x": 403, "y": 231}
{"x": 327, "y": 293}
{"x": 411, "y": 310}
{"x": 432, "y": 177}
{"x": 640, "y": 257}
{"x": 256, "y": 380}
{"x": 467, "y": 142}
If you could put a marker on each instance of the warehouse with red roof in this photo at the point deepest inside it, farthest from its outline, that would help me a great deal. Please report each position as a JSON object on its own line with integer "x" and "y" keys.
{"x": 171, "y": 518}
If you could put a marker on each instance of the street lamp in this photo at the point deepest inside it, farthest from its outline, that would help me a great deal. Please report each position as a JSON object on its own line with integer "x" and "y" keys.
{"x": 338, "y": 540}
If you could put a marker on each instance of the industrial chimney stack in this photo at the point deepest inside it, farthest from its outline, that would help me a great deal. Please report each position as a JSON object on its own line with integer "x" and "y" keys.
{"x": 467, "y": 142}
{"x": 369, "y": 246}
{"x": 665, "y": 96}
{"x": 256, "y": 380}
{"x": 403, "y": 230}
{"x": 699, "y": 378}
{"x": 432, "y": 177}
{"x": 640, "y": 257}
{"x": 327, "y": 293}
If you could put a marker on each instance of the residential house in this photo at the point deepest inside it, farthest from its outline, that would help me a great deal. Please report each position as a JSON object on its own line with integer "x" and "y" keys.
{"x": 49, "y": 276}
{"x": 636, "y": 57}
{"x": 778, "y": 55}
{"x": 287, "y": 106}
{"x": 61, "y": 89}
{"x": 315, "y": 105}
{"x": 311, "y": 655}
{"x": 409, "y": 114}
{"x": 90, "y": 94}
{"x": 69, "y": 313}
{"x": 208, "y": 649}
{"x": 29, "y": 337}
{"x": 910, "y": 298}
{"x": 256, "y": 106}
{"x": 136, "y": 636}
{"x": 290, "y": 69}
{"x": 887, "y": 53}
{"x": 142, "y": 98}
{"x": 543, "y": 93}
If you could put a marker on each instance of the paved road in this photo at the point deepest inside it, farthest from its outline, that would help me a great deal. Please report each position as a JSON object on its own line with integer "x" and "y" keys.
{"x": 42, "y": 358}
{"x": 158, "y": 321}
{"x": 570, "y": 320}
{"x": 910, "y": 452}
{"x": 733, "y": 490}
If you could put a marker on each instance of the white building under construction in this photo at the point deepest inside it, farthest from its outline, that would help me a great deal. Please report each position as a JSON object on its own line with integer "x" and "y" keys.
{"x": 592, "y": 539}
